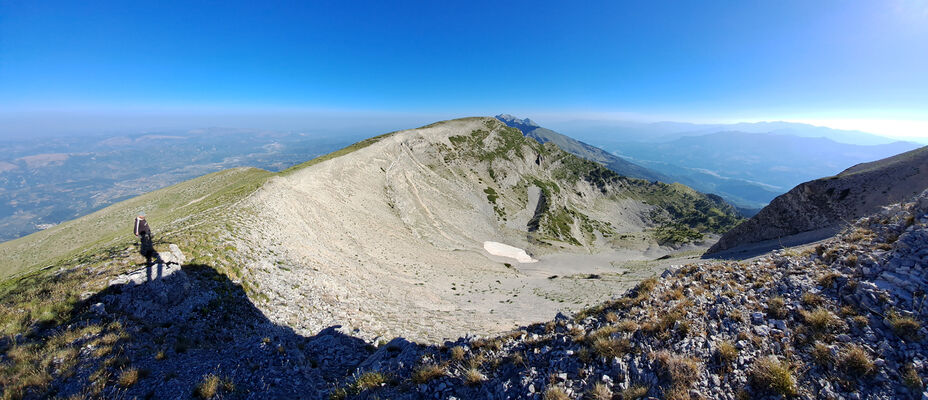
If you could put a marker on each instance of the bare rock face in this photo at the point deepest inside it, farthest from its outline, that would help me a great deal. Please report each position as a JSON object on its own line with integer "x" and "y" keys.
{"x": 829, "y": 203}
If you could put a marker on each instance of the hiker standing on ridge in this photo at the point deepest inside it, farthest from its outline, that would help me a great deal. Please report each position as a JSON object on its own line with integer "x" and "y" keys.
{"x": 142, "y": 231}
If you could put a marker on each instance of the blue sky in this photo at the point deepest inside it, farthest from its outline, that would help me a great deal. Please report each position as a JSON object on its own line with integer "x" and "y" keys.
{"x": 702, "y": 61}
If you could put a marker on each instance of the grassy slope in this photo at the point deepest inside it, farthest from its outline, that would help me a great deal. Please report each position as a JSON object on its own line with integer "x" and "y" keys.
{"x": 110, "y": 227}
{"x": 199, "y": 201}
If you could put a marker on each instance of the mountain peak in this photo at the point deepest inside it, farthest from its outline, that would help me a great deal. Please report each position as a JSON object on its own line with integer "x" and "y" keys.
{"x": 512, "y": 120}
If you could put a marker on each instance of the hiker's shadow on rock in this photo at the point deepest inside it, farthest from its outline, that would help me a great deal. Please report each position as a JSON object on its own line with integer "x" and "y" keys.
{"x": 183, "y": 323}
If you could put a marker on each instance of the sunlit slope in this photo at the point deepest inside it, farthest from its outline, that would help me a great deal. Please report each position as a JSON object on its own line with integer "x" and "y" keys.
{"x": 197, "y": 201}
{"x": 391, "y": 237}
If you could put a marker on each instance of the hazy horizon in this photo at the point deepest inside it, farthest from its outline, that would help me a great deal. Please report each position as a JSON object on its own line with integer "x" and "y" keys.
{"x": 67, "y": 68}
{"x": 57, "y": 123}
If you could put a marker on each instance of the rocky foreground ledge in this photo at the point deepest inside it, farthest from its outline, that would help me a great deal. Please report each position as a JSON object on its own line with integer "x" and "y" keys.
{"x": 840, "y": 320}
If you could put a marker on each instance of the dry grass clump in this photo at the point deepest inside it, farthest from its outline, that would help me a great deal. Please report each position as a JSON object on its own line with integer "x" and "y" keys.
{"x": 678, "y": 371}
{"x": 609, "y": 347}
{"x": 821, "y": 354}
{"x": 776, "y": 308}
{"x": 517, "y": 358}
{"x": 600, "y": 391}
{"x": 476, "y": 361}
{"x": 771, "y": 375}
{"x": 812, "y": 300}
{"x": 585, "y": 355}
{"x": 627, "y": 325}
{"x": 555, "y": 393}
{"x": 366, "y": 381}
{"x": 489, "y": 344}
{"x": 457, "y": 353}
{"x": 647, "y": 285}
{"x": 859, "y": 234}
{"x": 828, "y": 280}
{"x": 369, "y": 380}
{"x": 29, "y": 368}
{"x": 634, "y": 392}
{"x": 904, "y": 327}
{"x": 577, "y": 333}
{"x": 473, "y": 377}
{"x": 726, "y": 352}
{"x": 611, "y": 317}
{"x": 604, "y": 332}
{"x": 427, "y": 372}
{"x": 675, "y": 294}
{"x": 851, "y": 260}
{"x": 821, "y": 321}
{"x": 661, "y": 325}
{"x": 860, "y": 320}
{"x": 128, "y": 377}
{"x": 855, "y": 361}
{"x": 210, "y": 385}
{"x": 911, "y": 379}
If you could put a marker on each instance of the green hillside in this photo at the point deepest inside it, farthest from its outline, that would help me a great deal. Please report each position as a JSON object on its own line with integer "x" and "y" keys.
{"x": 195, "y": 202}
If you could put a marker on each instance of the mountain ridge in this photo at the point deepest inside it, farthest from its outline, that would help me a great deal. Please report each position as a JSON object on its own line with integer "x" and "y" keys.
{"x": 619, "y": 165}
{"x": 828, "y": 203}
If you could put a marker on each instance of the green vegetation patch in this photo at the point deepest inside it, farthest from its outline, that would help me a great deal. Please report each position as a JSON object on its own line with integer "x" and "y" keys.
{"x": 491, "y": 195}
{"x": 505, "y": 143}
{"x": 676, "y": 233}
{"x": 172, "y": 208}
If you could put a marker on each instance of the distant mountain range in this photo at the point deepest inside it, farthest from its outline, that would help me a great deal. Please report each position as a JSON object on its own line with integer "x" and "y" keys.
{"x": 748, "y": 164}
{"x": 593, "y": 131}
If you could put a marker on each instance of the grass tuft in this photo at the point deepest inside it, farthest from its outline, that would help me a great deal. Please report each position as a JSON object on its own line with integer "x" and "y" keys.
{"x": 555, "y": 393}
{"x": 776, "y": 308}
{"x": 634, "y": 392}
{"x": 678, "y": 371}
{"x": 771, "y": 375}
{"x": 128, "y": 377}
{"x": 427, "y": 372}
{"x": 457, "y": 353}
{"x": 473, "y": 377}
{"x": 904, "y": 327}
{"x": 600, "y": 391}
{"x": 855, "y": 361}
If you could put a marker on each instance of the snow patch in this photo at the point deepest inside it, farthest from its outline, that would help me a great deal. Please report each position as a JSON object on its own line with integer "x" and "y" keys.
{"x": 505, "y": 250}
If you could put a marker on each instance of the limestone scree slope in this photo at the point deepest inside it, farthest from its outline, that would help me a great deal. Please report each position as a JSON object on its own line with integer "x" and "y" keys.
{"x": 389, "y": 239}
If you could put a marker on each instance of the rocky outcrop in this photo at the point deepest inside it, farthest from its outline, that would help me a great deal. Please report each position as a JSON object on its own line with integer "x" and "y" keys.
{"x": 827, "y": 204}
{"x": 844, "y": 319}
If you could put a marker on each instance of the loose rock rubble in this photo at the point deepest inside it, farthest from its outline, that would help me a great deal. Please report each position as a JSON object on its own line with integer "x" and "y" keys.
{"x": 842, "y": 320}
